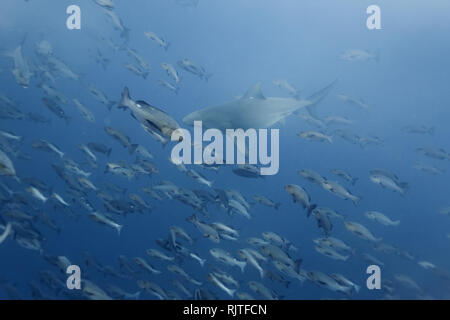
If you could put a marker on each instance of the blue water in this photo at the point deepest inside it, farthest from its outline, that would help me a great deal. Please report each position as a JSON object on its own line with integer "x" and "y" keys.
{"x": 241, "y": 43}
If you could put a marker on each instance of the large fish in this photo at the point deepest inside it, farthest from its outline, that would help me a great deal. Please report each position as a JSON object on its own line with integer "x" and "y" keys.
{"x": 118, "y": 24}
{"x": 253, "y": 110}
{"x": 21, "y": 70}
{"x": 108, "y": 4}
{"x": 155, "y": 121}
{"x": 360, "y": 55}
{"x": 6, "y": 233}
{"x": 6, "y": 166}
{"x": 159, "y": 40}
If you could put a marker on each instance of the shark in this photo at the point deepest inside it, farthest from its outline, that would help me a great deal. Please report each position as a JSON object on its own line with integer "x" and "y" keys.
{"x": 254, "y": 110}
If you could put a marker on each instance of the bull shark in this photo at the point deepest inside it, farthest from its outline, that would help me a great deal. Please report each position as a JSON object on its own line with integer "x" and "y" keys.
{"x": 254, "y": 110}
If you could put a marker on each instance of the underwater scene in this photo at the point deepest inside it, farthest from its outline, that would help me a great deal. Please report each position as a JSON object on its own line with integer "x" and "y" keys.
{"x": 210, "y": 149}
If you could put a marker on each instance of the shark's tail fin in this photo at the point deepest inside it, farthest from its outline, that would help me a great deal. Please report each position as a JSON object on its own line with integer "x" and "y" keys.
{"x": 318, "y": 96}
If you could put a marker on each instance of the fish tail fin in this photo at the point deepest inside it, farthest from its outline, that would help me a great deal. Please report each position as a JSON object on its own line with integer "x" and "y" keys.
{"x": 145, "y": 74}
{"x": 298, "y": 262}
{"x": 357, "y": 288}
{"x": 126, "y": 33}
{"x": 356, "y": 200}
{"x": 310, "y": 209}
{"x": 207, "y": 76}
{"x": 132, "y": 148}
{"x": 125, "y": 100}
{"x": 119, "y": 228}
{"x": 277, "y": 205}
{"x": 202, "y": 262}
{"x": 261, "y": 273}
{"x": 396, "y": 222}
{"x": 318, "y": 96}
{"x": 81, "y": 77}
{"x": 242, "y": 266}
{"x": 167, "y": 46}
{"x": 432, "y": 130}
{"x": 404, "y": 186}
{"x": 377, "y": 55}
{"x": 192, "y": 218}
{"x": 210, "y": 183}
{"x": 347, "y": 290}
{"x": 136, "y": 295}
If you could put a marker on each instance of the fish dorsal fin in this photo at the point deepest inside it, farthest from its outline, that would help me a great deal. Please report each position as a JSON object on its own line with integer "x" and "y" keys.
{"x": 254, "y": 92}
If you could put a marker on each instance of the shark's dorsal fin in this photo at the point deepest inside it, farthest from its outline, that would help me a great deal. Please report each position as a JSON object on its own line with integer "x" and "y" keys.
{"x": 254, "y": 92}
